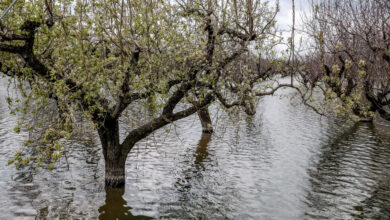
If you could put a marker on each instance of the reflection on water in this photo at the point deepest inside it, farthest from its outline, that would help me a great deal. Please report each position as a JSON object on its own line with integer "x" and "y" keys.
{"x": 351, "y": 178}
{"x": 201, "y": 150}
{"x": 282, "y": 163}
{"x": 116, "y": 207}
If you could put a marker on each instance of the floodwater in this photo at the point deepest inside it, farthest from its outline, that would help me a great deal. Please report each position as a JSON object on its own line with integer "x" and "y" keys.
{"x": 282, "y": 163}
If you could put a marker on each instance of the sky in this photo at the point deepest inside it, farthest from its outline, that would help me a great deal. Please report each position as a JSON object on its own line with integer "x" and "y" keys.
{"x": 284, "y": 17}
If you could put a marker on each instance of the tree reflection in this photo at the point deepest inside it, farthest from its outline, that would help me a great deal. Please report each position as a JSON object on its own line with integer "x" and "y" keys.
{"x": 193, "y": 173}
{"x": 351, "y": 177}
{"x": 377, "y": 205}
{"x": 324, "y": 175}
{"x": 201, "y": 151}
{"x": 116, "y": 207}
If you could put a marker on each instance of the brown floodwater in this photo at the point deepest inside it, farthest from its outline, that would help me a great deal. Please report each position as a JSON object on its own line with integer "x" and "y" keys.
{"x": 282, "y": 163}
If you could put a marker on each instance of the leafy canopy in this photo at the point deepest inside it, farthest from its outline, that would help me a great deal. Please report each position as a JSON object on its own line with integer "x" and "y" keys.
{"x": 96, "y": 59}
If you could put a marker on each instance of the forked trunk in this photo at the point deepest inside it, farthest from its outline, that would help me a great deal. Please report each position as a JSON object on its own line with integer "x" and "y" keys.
{"x": 205, "y": 120}
{"x": 115, "y": 154}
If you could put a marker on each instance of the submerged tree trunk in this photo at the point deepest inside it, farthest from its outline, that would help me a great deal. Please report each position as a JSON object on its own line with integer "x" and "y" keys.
{"x": 205, "y": 120}
{"x": 114, "y": 157}
{"x": 115, "y": 172}
{"x": 115, "y": 154}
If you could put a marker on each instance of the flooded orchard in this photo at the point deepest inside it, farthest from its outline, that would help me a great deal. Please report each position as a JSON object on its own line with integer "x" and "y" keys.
{"x": 282, "y": 163}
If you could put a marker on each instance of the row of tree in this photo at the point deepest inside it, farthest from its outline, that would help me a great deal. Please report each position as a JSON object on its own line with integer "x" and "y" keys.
{"x": 349, "y": 60}
{"x": 101, "y": 60}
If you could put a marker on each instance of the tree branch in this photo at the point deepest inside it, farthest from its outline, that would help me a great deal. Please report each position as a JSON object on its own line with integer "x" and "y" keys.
{"x": 143, "y": 131}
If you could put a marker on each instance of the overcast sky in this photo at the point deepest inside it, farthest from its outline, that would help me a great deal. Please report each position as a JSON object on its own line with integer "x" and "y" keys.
{"x": 284, "y": 17}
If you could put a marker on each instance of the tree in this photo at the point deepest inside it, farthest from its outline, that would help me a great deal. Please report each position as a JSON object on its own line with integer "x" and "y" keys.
{"x": 100, "y": 60}
{"x": 350, "y": 60}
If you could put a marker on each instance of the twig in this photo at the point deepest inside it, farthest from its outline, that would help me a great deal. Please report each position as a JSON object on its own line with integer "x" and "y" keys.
{"x": 8, "y": 9}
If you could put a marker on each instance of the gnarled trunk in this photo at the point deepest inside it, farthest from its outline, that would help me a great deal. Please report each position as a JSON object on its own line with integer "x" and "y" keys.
{"x": 205, "y": 120}
{"x": 114, "y": 157}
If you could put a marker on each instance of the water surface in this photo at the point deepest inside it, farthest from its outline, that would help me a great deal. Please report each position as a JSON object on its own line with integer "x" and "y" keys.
{"x": 282, "y": 163}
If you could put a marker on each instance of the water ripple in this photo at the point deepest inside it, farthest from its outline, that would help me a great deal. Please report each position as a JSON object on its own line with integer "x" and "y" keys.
{"x": 283, "y": 163}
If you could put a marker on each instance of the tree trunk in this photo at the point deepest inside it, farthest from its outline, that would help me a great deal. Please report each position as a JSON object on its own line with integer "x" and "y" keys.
{"x": 114, "y": 157}
{"x": 205, "y": 120}
{"x": 115, "y": 172}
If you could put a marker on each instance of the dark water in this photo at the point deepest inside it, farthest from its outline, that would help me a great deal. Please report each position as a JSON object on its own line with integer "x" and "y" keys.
{"x": 283, "y": 163}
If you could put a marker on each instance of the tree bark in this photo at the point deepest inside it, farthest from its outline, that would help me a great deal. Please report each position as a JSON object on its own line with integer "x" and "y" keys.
{"x": 114, "y": 157}
{"x": 205, "y": 120}
{"x": 115, "y": 172}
